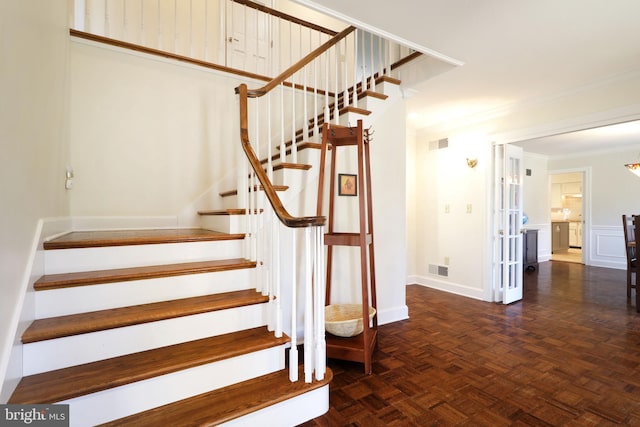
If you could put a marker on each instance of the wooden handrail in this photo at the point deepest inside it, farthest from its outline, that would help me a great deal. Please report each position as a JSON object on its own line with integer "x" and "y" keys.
{"x": 282, "y": 213}
{"x": 286, "y": 17}
{"x": 256, "y": 93}
{"x": 286, "y": 218}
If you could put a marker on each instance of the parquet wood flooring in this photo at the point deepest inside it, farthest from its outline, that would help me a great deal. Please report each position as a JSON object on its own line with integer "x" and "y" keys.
{"x": 568, "y": 354}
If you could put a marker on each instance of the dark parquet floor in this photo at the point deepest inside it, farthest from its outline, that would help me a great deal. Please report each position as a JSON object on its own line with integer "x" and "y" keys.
{"x": 568, "y": 354}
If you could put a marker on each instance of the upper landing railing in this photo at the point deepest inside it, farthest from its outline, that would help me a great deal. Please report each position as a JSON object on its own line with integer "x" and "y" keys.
{"x": 241, "y": 35}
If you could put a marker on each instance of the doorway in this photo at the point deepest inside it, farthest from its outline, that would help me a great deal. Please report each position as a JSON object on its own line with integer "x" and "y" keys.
{"x": 567, "y": 212}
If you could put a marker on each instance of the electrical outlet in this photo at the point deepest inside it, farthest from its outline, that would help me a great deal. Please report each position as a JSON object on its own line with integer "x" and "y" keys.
{"x": 446, "y": 260}
{"x": 469, "y": 208}
{"x": 447, "y": 209}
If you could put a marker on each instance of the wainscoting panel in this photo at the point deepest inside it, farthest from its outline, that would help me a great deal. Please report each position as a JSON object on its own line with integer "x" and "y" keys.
{"x": 607, "y": 247}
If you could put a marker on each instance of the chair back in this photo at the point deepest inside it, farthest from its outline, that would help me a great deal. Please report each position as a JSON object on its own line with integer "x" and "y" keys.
{"x": 628, "y": 225}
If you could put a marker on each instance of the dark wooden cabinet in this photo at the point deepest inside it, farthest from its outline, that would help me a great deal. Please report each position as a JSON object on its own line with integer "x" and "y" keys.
{"x": 530, "y": 250}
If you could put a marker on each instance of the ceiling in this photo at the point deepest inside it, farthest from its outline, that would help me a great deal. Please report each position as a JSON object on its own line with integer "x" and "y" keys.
{"x": 511, "y": 52}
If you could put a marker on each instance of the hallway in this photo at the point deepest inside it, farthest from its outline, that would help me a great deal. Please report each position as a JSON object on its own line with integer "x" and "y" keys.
{"x": 567, "y": 355}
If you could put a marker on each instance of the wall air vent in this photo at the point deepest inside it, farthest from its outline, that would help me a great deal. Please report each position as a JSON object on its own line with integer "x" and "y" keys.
{"x": 440, "y": 270}
{"x": 439, "y": 144}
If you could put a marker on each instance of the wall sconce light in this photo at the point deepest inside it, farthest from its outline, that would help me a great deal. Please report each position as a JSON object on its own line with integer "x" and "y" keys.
{"x": 473, "y": 162}
{"x": 634, "y": 168}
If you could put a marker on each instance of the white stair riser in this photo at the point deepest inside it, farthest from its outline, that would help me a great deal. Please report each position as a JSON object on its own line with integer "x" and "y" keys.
{"x": 308, "y": 156}
{"x": 392, "y": 90}
{"x": 370, "y": 103}
{"x": 291, "y": 412}
{"x": 231, "y": 224}
{"x": 85, "y": 348}
{"x": 129, "y": 399}
{"x": 80, "y": 299}
{"x": 103, "y": 258}
{"x": 290, "y": 177}
{"x": 231, "y": 202}
{"x": 352, "y": 118}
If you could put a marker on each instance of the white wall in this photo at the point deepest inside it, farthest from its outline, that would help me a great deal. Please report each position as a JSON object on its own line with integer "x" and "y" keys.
{"x": 451, "y": 222}
{"x": 147, "y": 136}
{"x": 33, "y": 143}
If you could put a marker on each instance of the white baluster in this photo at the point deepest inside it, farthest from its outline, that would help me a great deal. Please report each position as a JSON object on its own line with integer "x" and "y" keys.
{"x": 294, "y": 147}
{"x": 355, "y": 67}
{"x": 283, "y": 148}
{"x": 175, "y": 26}
{"x": 143, "y": 37}
{"x": 345, "y": 97}
{"x": 125, "y": 21}
{"x": 79, "y": 15}
{"x": 381, "y": 70}
{"x": 160, "y": 26}
{"x": 269, "y": 140}
{"x": 308, "y": 309}
{"x": 206, "y": 30}
{"x": 106, "y": 19}
{"x": 293, "y": 353}
{"x": 191, "y": 27}
{"x": 305, "y": 98}
{"x": 336, "y": 110}
{"x": 277, "y": 282}
{"x": 327, "y": 113}
{"x": 315, "y": 101}
{"x": 319, "y": 302}
{"x": 373, "y": 70}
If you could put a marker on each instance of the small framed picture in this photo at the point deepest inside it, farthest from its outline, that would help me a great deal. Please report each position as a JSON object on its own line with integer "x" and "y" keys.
{"x": 347, "y": 184}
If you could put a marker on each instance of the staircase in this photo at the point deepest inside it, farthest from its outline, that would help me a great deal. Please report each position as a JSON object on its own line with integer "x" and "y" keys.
{"x": 138, "y": 326}
{"x": 176, "y": 327}
{"x": 165, "y": 327}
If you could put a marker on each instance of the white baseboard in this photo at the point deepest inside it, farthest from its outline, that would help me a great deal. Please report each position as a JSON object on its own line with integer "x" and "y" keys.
{"x": 394, "y": 314}
{"x": 450, "y": 287}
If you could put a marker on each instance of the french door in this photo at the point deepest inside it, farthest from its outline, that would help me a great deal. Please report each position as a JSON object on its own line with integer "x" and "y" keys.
{"x": 507, "y": 254}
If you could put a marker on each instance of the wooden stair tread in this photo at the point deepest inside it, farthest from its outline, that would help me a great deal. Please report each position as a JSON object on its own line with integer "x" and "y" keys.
{"x": 66, "y": 383}
{"x": 225, "y": 404}
{"x": 90, "y": 239}
{"x": 62, "y": 326}
{"x": 356, "y": 110}
{"x": 226, "y": 212}
{"x": 256, "y": 188}
{"x": 295, "y": 166}
{"x": 66, "y": 280}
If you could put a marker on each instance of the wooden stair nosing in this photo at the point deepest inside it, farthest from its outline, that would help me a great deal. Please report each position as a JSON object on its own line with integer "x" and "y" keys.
{"x": 256, "y": 188}
{"x": 90, "y": 239}
{"x": 96, "y": 277}
{"x": 74, "y": 381}
{"x": 74, "y": 324}
{"x": 231, "y": 402}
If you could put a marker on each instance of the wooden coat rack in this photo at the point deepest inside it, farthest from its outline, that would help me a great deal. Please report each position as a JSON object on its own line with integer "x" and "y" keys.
{"x": 360, "y": 347}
